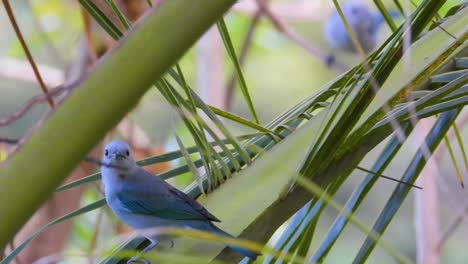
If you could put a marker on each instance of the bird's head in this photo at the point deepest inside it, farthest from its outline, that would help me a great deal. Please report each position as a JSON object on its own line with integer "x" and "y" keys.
{"x": 117, "y": 153}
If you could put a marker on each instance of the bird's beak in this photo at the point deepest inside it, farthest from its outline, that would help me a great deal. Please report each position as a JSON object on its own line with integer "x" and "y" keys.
{"x": 118, "y": 156}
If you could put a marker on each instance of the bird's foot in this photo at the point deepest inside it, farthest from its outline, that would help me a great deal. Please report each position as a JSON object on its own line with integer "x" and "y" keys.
{"x": 137, "y": 259}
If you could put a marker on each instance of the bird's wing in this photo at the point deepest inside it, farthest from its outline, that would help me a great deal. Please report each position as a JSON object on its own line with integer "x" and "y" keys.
{"x": 162, "y": 200}
{"x": 192, "y": 203}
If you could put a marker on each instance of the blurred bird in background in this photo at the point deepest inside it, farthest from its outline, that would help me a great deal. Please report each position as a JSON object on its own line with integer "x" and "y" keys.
{"x": 362, "y": 21}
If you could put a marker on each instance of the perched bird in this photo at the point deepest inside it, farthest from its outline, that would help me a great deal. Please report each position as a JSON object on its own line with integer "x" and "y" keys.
{"x": 364, "y": 23}
{"x": 143, "y": 201}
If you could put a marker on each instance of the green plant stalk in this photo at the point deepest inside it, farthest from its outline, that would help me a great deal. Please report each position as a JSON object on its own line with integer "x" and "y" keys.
{"x": 460, "y": 144}
{"x": 224, "y": 33}
{"x": 97, "y": 105}
{"x": 454, "y": 160}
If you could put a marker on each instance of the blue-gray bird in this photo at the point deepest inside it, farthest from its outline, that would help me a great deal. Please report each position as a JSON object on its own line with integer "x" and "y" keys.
{"x": 364, "y": 23}
{"x": 143, "y": 201}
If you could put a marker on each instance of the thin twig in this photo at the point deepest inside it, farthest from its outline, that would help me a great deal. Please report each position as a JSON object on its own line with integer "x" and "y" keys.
{"x": 20, "y": 70}
{"x": 388, "y": 177}
{"x": 229, "y": 96}
{"x": 29, "y": 104}
{"x": 11, "y": 16}
{"x": 294, "y": 37}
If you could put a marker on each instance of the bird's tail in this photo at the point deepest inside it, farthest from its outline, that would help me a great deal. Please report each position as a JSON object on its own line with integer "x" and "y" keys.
{"x": 243, "y": 251}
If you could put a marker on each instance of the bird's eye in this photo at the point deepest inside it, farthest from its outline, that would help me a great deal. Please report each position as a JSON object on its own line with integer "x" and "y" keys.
{"x": 106, "y": 152}
{"x": 128, "y": 153}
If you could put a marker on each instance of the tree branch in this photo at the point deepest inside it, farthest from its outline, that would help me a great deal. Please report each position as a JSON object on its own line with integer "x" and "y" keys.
{"x": 11, "y": 16}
